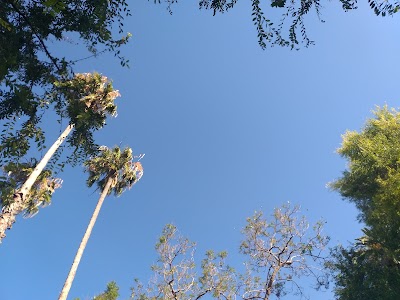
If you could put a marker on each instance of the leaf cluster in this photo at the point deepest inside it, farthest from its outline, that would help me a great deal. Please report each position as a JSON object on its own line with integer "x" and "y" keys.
{"x": 89, "y": 97}
{"x": 273, "y": 33}
{"x": 15, "y": 139}
{"x": 111, "y": 293}
{"x": 15, "y": 175}
{"x": 371, "y": 266}
{"x": 289, "y": 28}
{"x": 115, "y": 164}
{"x": 86, "y": 100}
{"x": 365, "y": 273}
{"x": 373, "y": 176}
{"x": 384, "y": 8}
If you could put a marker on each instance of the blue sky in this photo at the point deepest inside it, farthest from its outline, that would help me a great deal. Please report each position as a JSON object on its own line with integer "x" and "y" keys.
{"x": 227, "y": 129}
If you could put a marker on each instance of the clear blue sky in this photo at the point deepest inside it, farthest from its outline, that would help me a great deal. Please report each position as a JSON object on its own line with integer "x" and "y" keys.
{"x": 227, "y": 129}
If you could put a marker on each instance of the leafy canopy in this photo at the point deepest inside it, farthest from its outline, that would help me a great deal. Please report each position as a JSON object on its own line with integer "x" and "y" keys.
{"x": 28, "y": 27}
{"x": 370, "y": 268}
{"x": 86, "y": 101}
{"x": 372, "y": 180}
{"x": 111, "y": 293}
{"x": 365, "y": 271}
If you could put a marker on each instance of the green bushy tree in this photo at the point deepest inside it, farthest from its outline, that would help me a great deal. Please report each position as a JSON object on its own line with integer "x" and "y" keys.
{"x": 371, "y": 266}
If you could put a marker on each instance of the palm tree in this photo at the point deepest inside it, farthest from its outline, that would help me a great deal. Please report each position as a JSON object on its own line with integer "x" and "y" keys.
{"x": 113, "y": 171}
{"x": 40, "y": 193}
{"x": 86, "y": 100}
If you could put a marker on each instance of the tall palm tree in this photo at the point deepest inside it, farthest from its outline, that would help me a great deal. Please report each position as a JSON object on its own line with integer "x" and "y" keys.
{"x": 86, "y": 100}
{"x": 113, "y": 171}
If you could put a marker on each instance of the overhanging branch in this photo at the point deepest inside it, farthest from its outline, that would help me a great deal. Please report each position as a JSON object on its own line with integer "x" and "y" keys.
{"x": 53, "y": 60}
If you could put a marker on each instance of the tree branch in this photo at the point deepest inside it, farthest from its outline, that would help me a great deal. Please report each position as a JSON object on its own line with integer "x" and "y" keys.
{"x": 53, "y": 60}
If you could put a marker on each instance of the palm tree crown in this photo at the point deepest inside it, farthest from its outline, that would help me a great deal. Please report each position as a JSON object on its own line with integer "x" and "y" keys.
{"x": 15, "y": 175}
{"x": 85, "y": 100}
{"x": 115, "y": 164}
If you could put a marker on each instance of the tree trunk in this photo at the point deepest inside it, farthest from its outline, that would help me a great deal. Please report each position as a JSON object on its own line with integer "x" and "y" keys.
{"x": 9, "y": 213}
{"x": 270, "y": 283}
{"x": 78, "y": 256}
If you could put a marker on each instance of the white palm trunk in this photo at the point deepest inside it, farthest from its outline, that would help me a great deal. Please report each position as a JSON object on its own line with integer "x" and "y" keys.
{"x": 9, "y": 213}
{"x": 82, "y": 246}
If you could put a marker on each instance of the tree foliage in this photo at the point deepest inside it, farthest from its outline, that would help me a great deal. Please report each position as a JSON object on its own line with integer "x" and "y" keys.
{"x": 15, "y": 175}
{"x": 111, "y": 293}
{"x": 277, "y": 253}
{"x": 283, "y": 22}
{"x": 17, "y": 137}
{"x": 86, "y": 100}
{"x": 365, "y": 271}
{"x": 115, "y": 164}
{"x": 36, "y": 77}
{"x": 28, "y": 27}
{"x": 373, "y": 176}
{"x": 372, "y": 265}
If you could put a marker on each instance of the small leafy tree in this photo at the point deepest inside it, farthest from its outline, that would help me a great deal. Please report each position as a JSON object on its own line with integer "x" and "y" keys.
{"x": 113, "y": 171}
{"x": 111, "y": 293}
{"x": 278, "y": 252}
